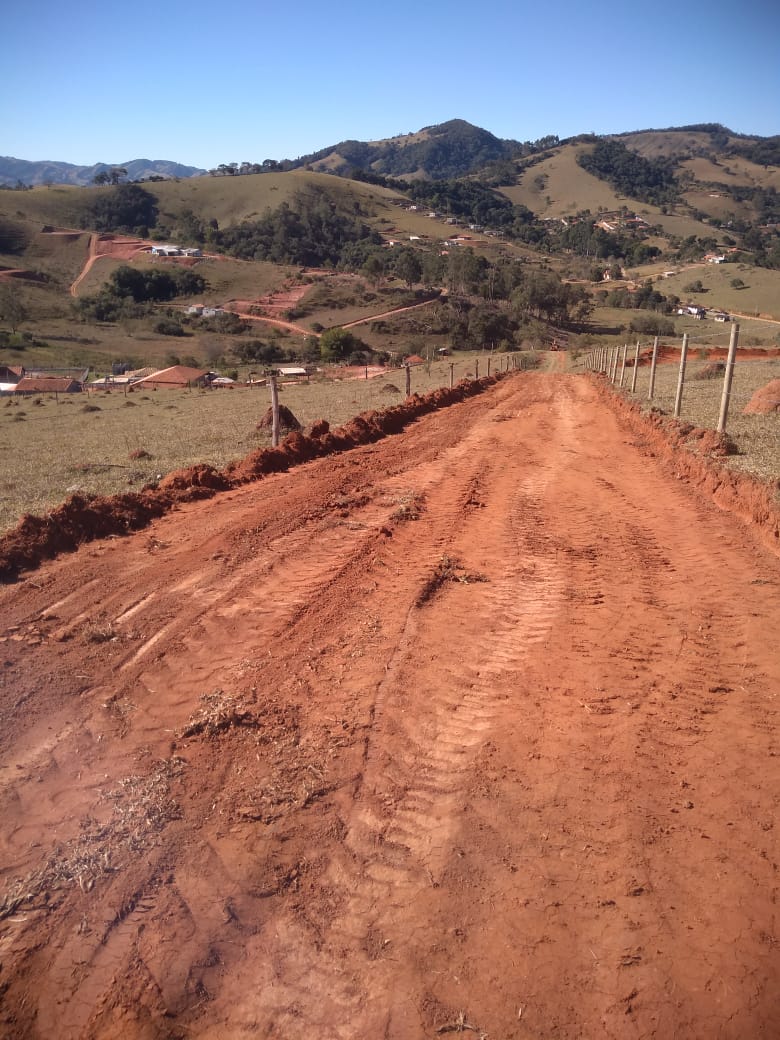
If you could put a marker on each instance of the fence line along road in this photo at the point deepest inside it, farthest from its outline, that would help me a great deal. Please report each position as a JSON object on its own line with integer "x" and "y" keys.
{"x": 604, "y": 361}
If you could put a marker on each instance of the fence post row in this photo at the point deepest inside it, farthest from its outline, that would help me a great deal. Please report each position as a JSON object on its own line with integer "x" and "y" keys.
{"x": 724, "y": 401}
{"x": 274, "y": 412}
{"x": 681, "y": 376}
{"x": 654, "y": 361}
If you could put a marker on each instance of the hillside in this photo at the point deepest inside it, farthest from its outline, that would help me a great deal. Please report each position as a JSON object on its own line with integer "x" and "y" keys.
{"x": 452, "y": 149}
{"x": 375, "y": 240}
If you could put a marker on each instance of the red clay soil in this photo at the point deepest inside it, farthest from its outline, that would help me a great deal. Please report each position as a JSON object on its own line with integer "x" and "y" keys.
{"x": 668, "y": 353}
{"x": 81, "y": 519}
{"x": 765, "y": 400}
{"x": 470, "y": 729}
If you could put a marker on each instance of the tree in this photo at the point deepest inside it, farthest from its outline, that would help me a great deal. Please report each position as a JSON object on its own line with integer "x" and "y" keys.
{"x": 116, "y": 174}
{"x": 373, "y": 269}
{"x": 407, "y": 267}
{"x": 12, "y": 309}
{"x": 339, "y": 343}
{"x": 101, "y": 178}
{"x": 695, "y": 286}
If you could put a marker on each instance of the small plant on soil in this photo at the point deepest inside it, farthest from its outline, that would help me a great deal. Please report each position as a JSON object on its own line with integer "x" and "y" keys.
{"x": 98, "y": 632}
{"x": 447, "y": 569}
{"x": 410, "y": 507}
{"x": 219, "y": 712}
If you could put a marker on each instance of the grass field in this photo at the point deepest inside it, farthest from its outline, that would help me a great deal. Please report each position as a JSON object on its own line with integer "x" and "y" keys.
{"x": 761, "y": 294}
{"x": 84, "y": 442}
{"x": 757, "y": 437}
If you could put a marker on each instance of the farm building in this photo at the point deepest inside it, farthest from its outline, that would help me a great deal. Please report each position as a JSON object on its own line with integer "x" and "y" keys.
{"x": 166, "y": 251}
{"x": 292, "y": 372}
{"x": 11, "y": 374}
{"x": 177, "y": 377}
{"x": 47, "y": 385}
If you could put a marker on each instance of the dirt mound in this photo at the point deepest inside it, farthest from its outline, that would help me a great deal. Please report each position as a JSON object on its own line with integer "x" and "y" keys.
{"x": 714, "y": 370}
{"x": 319, "y": 428}
{"x": 765, "y": 400}
{"x": 200, "y": 476}
{"x": 390, "y": 388}
{"x": 287, "y": 420}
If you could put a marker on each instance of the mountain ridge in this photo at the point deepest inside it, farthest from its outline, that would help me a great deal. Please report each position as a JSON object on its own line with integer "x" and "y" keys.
{"x": 51, "y": 171}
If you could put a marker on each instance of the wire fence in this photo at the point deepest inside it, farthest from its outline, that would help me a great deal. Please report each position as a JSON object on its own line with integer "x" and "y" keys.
{"x": 705, "y": 384}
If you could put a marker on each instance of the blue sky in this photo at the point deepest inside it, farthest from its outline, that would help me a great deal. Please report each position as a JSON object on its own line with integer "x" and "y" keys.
{"x": 204, "y": 83}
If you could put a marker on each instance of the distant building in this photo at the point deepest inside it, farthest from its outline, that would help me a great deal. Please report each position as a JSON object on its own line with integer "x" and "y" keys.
{"x": 178, "y": 377}
{"x": 11, "y": 373}
{"x": 47, "y": 385}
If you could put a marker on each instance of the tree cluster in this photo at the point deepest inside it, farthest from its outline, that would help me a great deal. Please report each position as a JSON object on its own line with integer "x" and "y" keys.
{"x": 471, "y": 201}
{"x": 129, "y": 288}
{"x": 127, "y": 208}
{"x": 650, "y": 180}
{"x": 310, "y": 232}
{"x": 14, "y": 238}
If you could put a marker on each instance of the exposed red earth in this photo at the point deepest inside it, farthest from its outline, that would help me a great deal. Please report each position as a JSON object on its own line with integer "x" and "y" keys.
{"x": 765, "y": 400}
{"x": 469, "y": 729}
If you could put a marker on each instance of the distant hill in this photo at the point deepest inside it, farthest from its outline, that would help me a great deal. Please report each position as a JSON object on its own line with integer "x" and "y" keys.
{"x": 446, "y": 150}
{"x": 15, "y": 171}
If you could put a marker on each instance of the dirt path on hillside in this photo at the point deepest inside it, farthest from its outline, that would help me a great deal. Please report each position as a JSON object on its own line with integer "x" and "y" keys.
{"x": 92, "y": 256}
{"x": 395, "y": 310}
{"x": 471, "y": 730}
{"x": 240, "y": 308}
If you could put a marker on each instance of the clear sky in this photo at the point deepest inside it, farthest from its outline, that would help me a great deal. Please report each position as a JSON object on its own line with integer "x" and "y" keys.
{"x": 232, "y": 81}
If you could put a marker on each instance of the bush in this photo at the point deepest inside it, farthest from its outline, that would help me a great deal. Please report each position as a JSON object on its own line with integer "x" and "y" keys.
{"x": 652, "y": 325}
{"x": 168, "y": 327}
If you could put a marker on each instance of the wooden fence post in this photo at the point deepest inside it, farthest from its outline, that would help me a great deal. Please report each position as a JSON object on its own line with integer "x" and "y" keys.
{"x": 623, "y": 365}
{"x": 476, "y": 368}
{"x": 724, "y": 401}
{"x": 488, "y": 365}
{"x": 636, "y": 368}
{"x": 452, "y": 374}
{"x": 408, "y": 380}
{"x": 615, "y": 354}
{"x": 651, "y": 387}
{"x": 274, "y": 412}
{"x": 681, "y": 376}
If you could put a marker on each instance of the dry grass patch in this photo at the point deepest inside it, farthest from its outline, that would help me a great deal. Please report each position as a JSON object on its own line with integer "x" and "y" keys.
{"x": 139, "y": 808}
{"x": 63, "y": 450}
{"x": 756, "y": 438}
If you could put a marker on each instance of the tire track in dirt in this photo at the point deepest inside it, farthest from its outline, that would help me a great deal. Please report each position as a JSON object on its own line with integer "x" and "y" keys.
{"x": 422, "y": 799}
{"x": 399, "y": 837}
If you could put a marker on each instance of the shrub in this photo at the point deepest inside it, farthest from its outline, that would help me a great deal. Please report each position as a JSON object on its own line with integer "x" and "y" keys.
{"x": 652, "y": 325}
{"x": 168, "y": 327}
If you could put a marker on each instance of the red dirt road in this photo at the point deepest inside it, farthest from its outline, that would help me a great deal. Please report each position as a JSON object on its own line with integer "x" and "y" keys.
{"x": 471, "y": 730}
